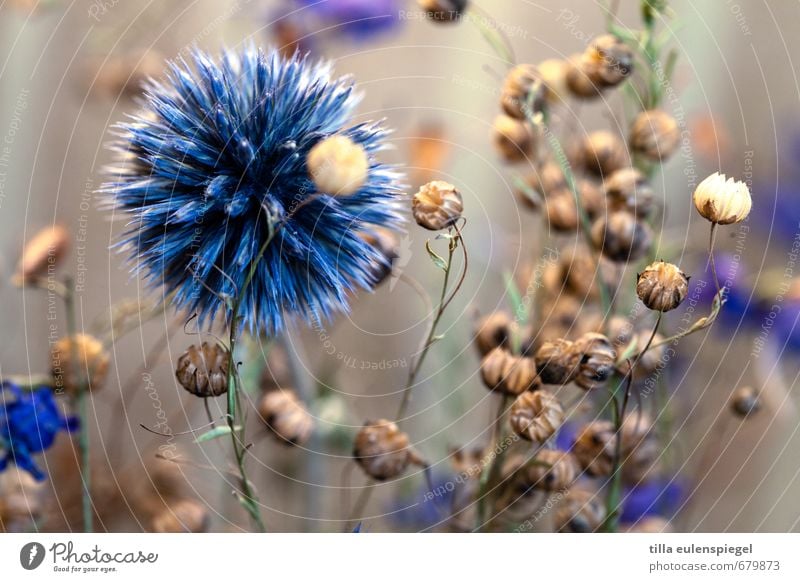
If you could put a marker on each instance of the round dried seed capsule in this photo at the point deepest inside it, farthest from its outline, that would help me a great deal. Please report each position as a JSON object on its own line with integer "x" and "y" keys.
{"x": 286, "y": 416}
{"x": 523, "y": 92}
{"x": 79, "y": 362}
{"x": 535, "y": 416}
{"x": 513, "y": 139}
{"x": 622, "y": 237}
{"x": 383, "y": 451}
{"x": 662, "y": 286}
{"x": 562, "y": 212}
{"x": 654, "y": 135}
{"x": 444, "y": 11}
{"x": 493, "y": 331}
{"x": 628, "y": 189}
{"x": 580, "y": 511}
{"x": 203, "y": 371}
{"x": 604, "y": 153}
{"x": 552, "y": 470}
{"x": 579, "y": 78}
{"x": 598, "y": 360}
{"x": 595, "y": 447}
{"x": 745, "y": 401}
{"x": 612, "y": 60}
{"x": 557, "y": 361}
{"x": 437, "y": 205}
{"x": 386, "y": 244}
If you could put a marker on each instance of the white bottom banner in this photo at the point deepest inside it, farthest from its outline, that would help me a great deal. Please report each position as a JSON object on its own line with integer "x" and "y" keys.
{"x": 400, "y": 557}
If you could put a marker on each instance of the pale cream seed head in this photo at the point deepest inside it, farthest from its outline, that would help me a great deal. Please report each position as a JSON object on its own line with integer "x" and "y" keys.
{"x": 338, "y": 166}
{"x": 722, "y": 200}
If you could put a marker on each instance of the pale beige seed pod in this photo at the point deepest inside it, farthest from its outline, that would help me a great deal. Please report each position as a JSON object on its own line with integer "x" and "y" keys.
{"x": 42, "y": 254}
{"x": 523, "y": 92}
{"x": 562, "y": 212}
{"x": 611, "y": 60}
{"x": 493, "y": 331}
{"x": 579, "y": 78}
{"x": 654, "y": 135}
{"x": 493, "y": 366}
{"x": 181, "y": 516}
{"x": 437, "y": 205}
{"x": 580, "y": 511}
{"x": 553, "y": 73}
{"x": 387, "y": 245}
{"x": 79, "y": 362}
{"x": 598, "y": 360}
{"x": 622, "y": 237}
{"x": 557, "y": 361}
{"x": 507, "y": 373}
{"x": 662, "y": 286}
{"x": 383, "y": 451}
{"x": 338, "y": 166}
{"x": 513, "y": 139}
{"x": 552, "y": 470}
{"x": 444, "y": 11}
{"x": 604, "y": 153}
{"x": 203, "y": 371}
{"x": 722, "y": 200}
{"x": 286, "y": 416}
{"x": 745, "y": 401}
{"x": 628, "y": 189}
{"x": 536, "y": 416}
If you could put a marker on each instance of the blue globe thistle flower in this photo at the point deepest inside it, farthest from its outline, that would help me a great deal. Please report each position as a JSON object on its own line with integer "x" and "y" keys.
{"x": 30, "y": 420}
{"x": 216, "y": 161}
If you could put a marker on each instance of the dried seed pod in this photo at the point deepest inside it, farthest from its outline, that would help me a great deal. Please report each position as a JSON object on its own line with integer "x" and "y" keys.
{"x": 722, "y": 200}
{"x": 611, "y": 60}
{"x": 553, "y": 73}
{"x": 580, "y": 511}
{"x": 547, "y": 179}
{"x": 513, "y": 139}
{"x": 662, "y": 286}
{"x": 338, "y": 166}
{"x": 42, "y": 253}
{"x": 437, "y": 205}
{"x": 383, "y": 451}
{"x": 622, "y": 237}
{"x": 654, "y": 135}
{"x": 183, "y": 515}
{"x": 604, "y": 153}
{"x": 562, "y": 212}
{"x": 493, "y": 366}
{"x": 523, "y": 92}
{"x": 79, "y": 362}
{"x": 592, "y": 197}
{"x": 595, "y": 447}
{"x": 578, "y": 269}
{"x": 628, "y": 189}
{"x": 557, "y": 361}
{"x": 597, "y": 362}
{"x": 493, "y": 331}
{"x": 620, "y": 331}
{"x": 745, "y": 401}
{"x": 579, "y": 78}
{"x": 286, "y": 416}
{"x": 203, "y": 371}
{"x": 536, "y": 415}
{"x": 507, "y": 373}
{"x": 552, "y": 470}
{"x": 386, "y": 244}
{"x": 468, "y": 463}
{"x": 444, "y": 11}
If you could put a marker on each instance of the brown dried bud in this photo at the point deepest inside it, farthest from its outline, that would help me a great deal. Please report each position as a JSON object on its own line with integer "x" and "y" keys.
{"x": 523, "y": 93}
{"x": 595, "y": 447}
{"x": 655, "y": 135}
{"x": 745, "y": 401}
{"x": 604, "y": 153}
{"x": 513, "y": 139}
{"x": 286, "y": 416}
{"x": 579, "y": 78}
{"x": 444, "y": 11}
{"x": 611, "y": 60}
{"x": 580, "y": 511}
{"x": 597, "y": 362}
{"x": 536, "y": 415}
{"x": 622, "y": 237}
{"x": 557, "y": 361}
{"x": 203, "y": 371}
{"x": 592, "y": 197}
{"x": 662, "y": 286}
{"x": 383, "y": 451}
{"x": 552, "y": 470}
{"x": 386, "y": 244}
{"x": 85, "y": 352}
{"x": 437, "y": 205}
{"x": 562, "y": 212}
{"x": 628, "y": 189}
{"x": 493, "y": 331}
{"x": 338, "y": 166}
{"x": 41, "y": 254}
{"x": 507, "y": 373}
{"x": 182, "y": 516}
{"x": 547, "y": 179}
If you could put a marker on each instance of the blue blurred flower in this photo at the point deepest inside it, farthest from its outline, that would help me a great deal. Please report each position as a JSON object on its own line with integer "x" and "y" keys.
{"x": 358, "y": 19}
{"x": 29, "y": 423}
{"x": 655, "y": 497}
{"x": 427, "y": 505}
{"x": 217, "y": 159}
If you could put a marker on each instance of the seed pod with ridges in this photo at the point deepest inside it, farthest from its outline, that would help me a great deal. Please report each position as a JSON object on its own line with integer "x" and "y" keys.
{"x": 520, "y": 376}
{"x": 383, "y": 451}
{"x": 493, "y": 367}
{"x": 493, "y": 331}
{"x": 580, "y": 511}
{"x": 745, "y": 401}
{"x": 286, "y": 416}
{"x": 557, "y": 361}
{"x": 595, "y": 447}
{"x": 535, "y": 416}
{"x": 604, "y": 153}
{"x": 579, "y": 78}
{"x": 552, "y": 470}
{"x": 386, "y": 244}
{"x": 655, "y": 135}
{"x": 611, "y": 59}
{"x": 548, "y": 178}
{"x": 338, "y": 166}
{"x": 44, "y": 251}
{"x": 562, "y": 212}
{"x": 85, "y": 352}
{"x": 628, "y": 189}
{"x": 662, "y": 286}
{"x": 444, "y": 11}
{"x": 523, "y": 92}
{"x": 722, "y": 200}
{"x": 592, "y": 197}
{"x": 513, "y": 139}
{"x": 203, "y": 371}
{"x": 181, "y": 516}
{"x": 622, "y": 237}
{"x": 437, "y": 205}
{"x": 597, "y": 362}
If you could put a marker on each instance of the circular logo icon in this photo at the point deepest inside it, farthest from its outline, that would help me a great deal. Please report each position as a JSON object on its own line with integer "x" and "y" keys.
{"x": 31, "y": 555}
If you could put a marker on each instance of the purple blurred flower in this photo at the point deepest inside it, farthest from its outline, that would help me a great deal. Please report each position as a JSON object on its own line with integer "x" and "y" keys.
{"x": 657, "y": 497}
{"x": 358, "y": 19}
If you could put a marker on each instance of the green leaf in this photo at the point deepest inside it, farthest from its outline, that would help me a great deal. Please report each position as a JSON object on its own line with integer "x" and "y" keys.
{"x": 437, "y": 260}
{"x": 214, "y": 433}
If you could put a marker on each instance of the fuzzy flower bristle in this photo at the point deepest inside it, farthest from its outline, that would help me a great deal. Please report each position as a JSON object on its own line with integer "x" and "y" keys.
{"x": 218, "y": 159}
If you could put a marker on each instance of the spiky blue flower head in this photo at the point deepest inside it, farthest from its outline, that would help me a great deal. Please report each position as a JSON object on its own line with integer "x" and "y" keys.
{"x": 217, "y": 159}
{"x": 30, "y": 420}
